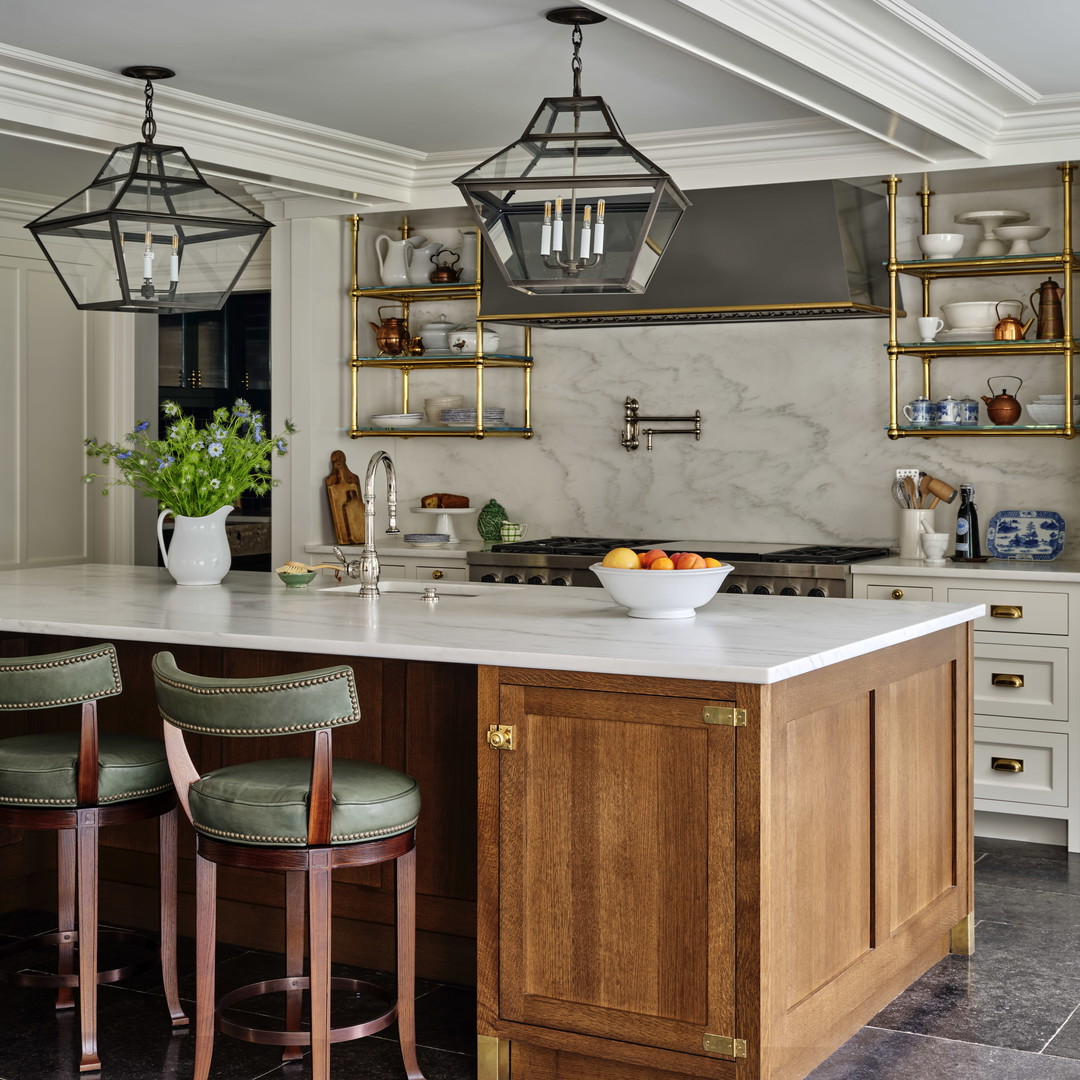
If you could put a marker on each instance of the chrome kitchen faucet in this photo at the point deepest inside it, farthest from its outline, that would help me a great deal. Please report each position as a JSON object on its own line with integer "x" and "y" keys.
{"x": 366, "y": 568}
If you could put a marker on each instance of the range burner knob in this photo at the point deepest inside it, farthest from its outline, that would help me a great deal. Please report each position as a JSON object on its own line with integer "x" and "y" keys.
{"x": 512, "y": 579}
{"x": 536, "y": 579}
{"x": 762, "y": 590}
{"x": 490, "y": 577}
{"x": 735, "y": 588}
{"x": 817, "y": 592}
{"x": 559, "y": 581}
{"x": 789, "y": 590}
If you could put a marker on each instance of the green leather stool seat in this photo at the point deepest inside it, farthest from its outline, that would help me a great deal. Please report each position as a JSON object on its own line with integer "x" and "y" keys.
{"x": 40, "y": 770}
{"x": 266, "y": 802}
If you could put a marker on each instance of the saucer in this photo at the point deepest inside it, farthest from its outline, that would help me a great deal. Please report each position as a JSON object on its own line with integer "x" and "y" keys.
{"x": 968, "y": 333}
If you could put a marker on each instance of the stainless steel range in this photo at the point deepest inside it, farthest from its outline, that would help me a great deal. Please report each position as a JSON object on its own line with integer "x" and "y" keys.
{"x": 764, "y": 569}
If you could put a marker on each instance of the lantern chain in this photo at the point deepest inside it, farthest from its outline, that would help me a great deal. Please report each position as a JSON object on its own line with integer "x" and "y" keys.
{"x": 149, "y": 124}
{"x": 575, "y": 63}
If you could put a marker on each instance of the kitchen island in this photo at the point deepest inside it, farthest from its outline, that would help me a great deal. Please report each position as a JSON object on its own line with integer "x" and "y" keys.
{"x": 709, "y": 847}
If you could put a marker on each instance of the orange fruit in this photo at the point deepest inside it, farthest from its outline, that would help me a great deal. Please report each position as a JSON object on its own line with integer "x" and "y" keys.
{"x": 661, "y": 564}
{"x": 651, "y": 556}
{"x": 622, "y": 558}
{"x": 709, "y": 561}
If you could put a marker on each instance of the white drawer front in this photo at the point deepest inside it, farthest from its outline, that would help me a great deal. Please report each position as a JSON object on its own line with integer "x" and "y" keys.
{"x": 1042, "y": 674}
{"x": 441, "y": 573}
{"x": 1013, "y": 612}
{"x": 1043, "y": 758}
{"x": 899, "y": 592}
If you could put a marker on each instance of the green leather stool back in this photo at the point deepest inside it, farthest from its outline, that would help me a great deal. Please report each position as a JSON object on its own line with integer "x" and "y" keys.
{"x": 36, "y": 682}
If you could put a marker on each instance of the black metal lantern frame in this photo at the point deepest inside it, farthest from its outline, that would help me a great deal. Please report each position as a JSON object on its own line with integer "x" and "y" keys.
{"x": 572, "y": 207}
{"x": 149, "y": 234}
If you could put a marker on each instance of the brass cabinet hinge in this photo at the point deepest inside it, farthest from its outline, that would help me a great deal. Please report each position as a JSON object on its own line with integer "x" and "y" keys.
{"x": 721, "y": 1044}
{"x": 724, "y": 714}
{"x": 500, "y": 736}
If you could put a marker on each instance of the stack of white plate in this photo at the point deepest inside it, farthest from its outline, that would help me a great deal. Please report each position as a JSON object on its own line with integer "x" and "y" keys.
{"x": 1050, "y": 409}
{"x": 494, "y": 416}
{"x": 398, "y": 420}
{"x": 435, "y": 405}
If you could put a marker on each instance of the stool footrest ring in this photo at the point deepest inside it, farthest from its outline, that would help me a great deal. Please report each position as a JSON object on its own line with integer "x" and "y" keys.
{"x": 302, "y": 1038}
{"x": 57, "y": 937}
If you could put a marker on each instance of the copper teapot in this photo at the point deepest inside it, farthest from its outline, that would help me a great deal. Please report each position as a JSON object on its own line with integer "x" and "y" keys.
{"x": 444, "y": 272}
{"x": 391, "y": 334}
{"x": 1051, "y": 325}
{"x": 1003, "y": 409}
{"x": 1009, "y": 327}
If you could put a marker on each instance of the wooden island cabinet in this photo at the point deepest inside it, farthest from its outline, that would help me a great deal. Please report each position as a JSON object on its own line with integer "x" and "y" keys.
{"x": 713, "y": 851}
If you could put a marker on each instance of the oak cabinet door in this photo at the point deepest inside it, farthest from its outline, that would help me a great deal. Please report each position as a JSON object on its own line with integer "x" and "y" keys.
{"x": 616, "y": 818}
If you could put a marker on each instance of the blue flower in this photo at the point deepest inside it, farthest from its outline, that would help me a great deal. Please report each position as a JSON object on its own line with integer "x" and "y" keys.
{"x": 281, "y": 446}
{"x": 215, "y": 449}
{"x": 162, "y": 462}
{"x": 142, "y": 426}
{"x": 123, "y": 455}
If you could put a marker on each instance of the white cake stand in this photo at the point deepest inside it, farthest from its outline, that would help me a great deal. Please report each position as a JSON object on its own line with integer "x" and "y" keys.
{"x": 444, "y": 523}
{"x": 988, "y": 219}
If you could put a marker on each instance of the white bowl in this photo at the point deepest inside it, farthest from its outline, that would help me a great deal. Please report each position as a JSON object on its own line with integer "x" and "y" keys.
{"x": 941, "y": 245}
{"x": 396, "y": 420}
{"x": 1049, "y": 412}
{"x": 966, "y": 314}
{"x": 661, "y": 594}
{"x": 1020, "y": 236}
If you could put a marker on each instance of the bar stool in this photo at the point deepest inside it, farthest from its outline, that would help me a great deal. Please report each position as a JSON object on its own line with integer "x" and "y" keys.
{"x": 74, "y": 783}
{"x": 305, "y": 817}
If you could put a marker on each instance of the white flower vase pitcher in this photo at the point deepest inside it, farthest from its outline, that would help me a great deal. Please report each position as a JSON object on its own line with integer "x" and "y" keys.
{"x": 199, "y": 553}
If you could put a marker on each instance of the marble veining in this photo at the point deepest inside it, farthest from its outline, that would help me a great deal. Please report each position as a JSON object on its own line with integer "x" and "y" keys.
{"x": 733, "y": 638}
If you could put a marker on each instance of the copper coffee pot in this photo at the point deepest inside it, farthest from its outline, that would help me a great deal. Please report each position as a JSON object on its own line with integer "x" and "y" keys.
{"x": 391, "y": 334}
{"x": 1051, "y": 325}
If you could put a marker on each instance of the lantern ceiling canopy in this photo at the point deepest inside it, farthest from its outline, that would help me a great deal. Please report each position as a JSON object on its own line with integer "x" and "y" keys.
{"x": 572, "y": 207}
{"x": 149, "y": 234}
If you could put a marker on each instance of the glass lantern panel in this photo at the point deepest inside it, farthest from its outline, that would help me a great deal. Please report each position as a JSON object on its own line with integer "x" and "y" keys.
{"x": 564, "y": 116}
{"x": 590, "y": 158}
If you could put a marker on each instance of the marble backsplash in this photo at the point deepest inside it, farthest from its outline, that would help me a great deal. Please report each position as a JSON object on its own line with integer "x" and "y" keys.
{"x": 793, "y": 447}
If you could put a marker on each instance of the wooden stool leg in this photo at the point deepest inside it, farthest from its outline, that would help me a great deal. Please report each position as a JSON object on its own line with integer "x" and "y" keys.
{"x": 65, "y": 911}
{"x": 294, "y": 956}
{"x": 205, "y": 956}
{"x": 87, "y": 886}
{"x": 167, "y": 878}
{"x": 319, "y": 962}
{"x": 406, "y": 962}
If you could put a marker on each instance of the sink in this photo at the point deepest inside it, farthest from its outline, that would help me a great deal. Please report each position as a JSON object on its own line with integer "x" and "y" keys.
{"x": 416, "y": 588}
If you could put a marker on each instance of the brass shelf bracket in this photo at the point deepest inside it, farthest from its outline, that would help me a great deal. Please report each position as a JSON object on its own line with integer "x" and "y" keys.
{"x": 632, "y": 420}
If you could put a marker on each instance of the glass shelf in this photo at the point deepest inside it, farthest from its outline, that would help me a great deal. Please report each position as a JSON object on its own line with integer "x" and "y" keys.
{"x": 984, "y": 429}
{"x": 989, "y": 265}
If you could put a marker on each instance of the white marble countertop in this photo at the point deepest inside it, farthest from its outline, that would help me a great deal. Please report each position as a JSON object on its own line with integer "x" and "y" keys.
{"x": 1060, "y": 570}
{"x": 733, "y": 638}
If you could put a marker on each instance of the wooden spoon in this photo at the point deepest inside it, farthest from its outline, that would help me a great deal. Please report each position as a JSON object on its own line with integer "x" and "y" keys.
{"x": 909, "y": 490}
{"x": 924, "y": 489}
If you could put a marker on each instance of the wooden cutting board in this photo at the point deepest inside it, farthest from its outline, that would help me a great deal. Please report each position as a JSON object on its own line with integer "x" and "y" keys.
{"x": 346, "y": 501}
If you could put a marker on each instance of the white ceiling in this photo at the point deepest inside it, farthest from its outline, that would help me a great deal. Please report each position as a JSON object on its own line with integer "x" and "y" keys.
{"x": 383, "y": 104}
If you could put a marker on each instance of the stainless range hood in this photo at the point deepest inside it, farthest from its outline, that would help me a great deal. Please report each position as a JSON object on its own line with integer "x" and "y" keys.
{"x": 813, "y": 250}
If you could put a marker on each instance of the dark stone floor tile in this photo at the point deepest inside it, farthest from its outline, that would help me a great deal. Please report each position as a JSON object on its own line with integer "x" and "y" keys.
{"x": 876, "y": 1054}
{"x": 1016, "y": 991}
{"x": 1021, "y": 906}
{"x": 1035, "y": 867}
{"x": 1066, "y": 1043}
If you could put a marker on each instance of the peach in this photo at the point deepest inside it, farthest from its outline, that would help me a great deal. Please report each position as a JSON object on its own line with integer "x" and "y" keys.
{"x": 649, "y": 557}
{"x": 622, "y": 558}
{"x": 687, "y": 560}
{"x": 662, "y": 564}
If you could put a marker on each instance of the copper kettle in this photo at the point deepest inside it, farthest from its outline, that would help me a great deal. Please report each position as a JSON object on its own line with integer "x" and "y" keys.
{"x": 391, "y": 334}
{"x": 1051, "y": 325}
{"x": 1009, "y": 327}
{"x": 1003, "y": 409}
{"x": 445, "y": 273}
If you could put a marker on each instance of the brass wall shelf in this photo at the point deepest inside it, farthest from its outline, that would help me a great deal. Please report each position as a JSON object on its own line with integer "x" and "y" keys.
{"x": 479, "y": 362}
{"x": 932, "y": 271}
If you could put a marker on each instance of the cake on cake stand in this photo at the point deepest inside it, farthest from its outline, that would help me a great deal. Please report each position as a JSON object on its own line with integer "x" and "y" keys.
{"x": 444, "y": 521}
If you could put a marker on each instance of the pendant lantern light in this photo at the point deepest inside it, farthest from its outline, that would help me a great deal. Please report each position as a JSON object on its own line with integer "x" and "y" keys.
{"x": 572, "y": 207}
{"x": 149, "y": 234}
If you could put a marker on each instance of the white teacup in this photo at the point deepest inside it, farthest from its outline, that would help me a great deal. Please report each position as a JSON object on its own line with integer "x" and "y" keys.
{"x": 510, "y": 531}
{"x": 929, "y": 325}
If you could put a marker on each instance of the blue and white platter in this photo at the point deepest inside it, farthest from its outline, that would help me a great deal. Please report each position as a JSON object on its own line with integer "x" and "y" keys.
{"x": 1026, "y": 534}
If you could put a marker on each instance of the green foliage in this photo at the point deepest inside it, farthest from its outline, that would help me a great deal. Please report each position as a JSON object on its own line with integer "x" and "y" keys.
{"x": 194, "y": 471}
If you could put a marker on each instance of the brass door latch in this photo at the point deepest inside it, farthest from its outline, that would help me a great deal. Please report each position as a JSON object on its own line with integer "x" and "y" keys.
{"x": 500, "y": 736}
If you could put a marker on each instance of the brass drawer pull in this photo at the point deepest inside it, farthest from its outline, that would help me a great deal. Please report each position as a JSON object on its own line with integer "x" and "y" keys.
{"x": 436, "y": 574}
{"x": 1007, "y": 764}
{"x": 898, "y": 594}
{"x": 1006, "y": 611}
{"x": 1001, "y": 679}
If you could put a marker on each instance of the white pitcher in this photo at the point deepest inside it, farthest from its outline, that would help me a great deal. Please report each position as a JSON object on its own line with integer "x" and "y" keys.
{"x": 420, "y": 264}
{"x": 199, "y": 553}
{"x": 467, "y": 266}
{"x": 394, "y": 257}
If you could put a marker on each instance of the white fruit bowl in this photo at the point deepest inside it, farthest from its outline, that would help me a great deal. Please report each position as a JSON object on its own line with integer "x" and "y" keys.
{"x": 661, "y": 594}
{"x": 941, "y": 245}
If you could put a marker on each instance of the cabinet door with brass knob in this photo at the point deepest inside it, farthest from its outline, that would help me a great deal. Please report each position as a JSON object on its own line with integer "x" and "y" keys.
{"x": 899, "y": 592}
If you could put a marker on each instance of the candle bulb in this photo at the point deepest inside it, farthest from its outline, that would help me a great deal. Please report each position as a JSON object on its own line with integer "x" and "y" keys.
{"x": 586, "y": 233}
{"x": 545, "y": 231}
{"x": 598, "y": 232}
{"x": 148, "y": 257}
{"x": 174, "y": 260}
{"x": 556, "y": 232}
